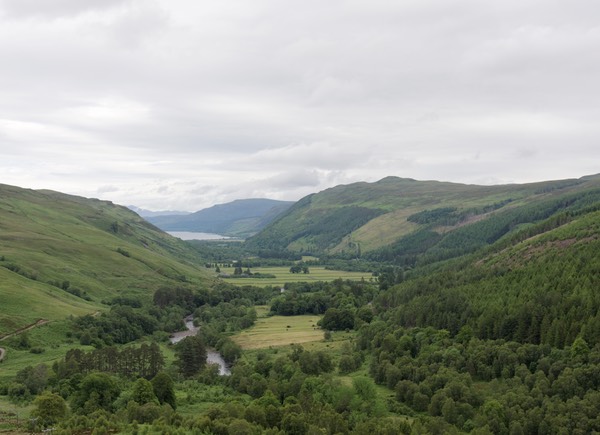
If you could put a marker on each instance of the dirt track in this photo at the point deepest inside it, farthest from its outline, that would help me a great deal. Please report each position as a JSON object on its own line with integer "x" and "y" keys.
{"x": 40, "y": 322}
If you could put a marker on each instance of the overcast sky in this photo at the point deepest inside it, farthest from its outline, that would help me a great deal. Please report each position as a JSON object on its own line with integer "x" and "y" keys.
{"x": 182, "y": 104}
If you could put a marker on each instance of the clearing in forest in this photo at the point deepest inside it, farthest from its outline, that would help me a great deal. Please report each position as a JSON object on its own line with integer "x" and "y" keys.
{"x": 280, "y": 331}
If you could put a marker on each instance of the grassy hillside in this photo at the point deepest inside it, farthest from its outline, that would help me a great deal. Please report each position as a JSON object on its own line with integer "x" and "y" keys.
{"x": 240, "y": 218}
{"x": 64, "y": 255}
{"x": 399, "y": 219}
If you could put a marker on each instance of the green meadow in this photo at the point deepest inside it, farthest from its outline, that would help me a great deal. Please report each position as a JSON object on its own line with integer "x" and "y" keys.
{"x": 280, "y": 331}
{"x": 283, "y": 275}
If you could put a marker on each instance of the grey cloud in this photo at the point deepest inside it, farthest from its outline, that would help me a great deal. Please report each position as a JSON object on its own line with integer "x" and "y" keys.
{"x": 55, "y": 8}
{"x": 252, "y": 99}
{"x": 107, "y": 189}
{"x": 292, "y": 180}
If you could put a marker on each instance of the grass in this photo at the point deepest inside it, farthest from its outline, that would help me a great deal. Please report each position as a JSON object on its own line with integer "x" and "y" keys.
{"x": 25, "y": 301}
{"x": 10, "y": 413}
{"x": 280, "y": 331}
{"x": 100, "y": 249}
{"x": 283, "y": 275}
{"x": 51, "y": 337}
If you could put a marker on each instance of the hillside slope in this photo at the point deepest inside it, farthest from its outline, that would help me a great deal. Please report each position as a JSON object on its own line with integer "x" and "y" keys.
{"x": 398, "y": 219}
{"x": 62, "y": 255}
{"x": 537, "y": 286}
{"x": 239, "y": 218}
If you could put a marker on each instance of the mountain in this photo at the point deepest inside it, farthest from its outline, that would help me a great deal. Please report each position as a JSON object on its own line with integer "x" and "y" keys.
{"x": 405, "y": 220}
{"x": 62, "y": 255}
{"x": 239, "y": 218}
{"x": 149, "y": 213}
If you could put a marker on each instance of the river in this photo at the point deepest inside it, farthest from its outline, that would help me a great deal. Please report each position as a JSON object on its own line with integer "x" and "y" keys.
{"x": 212, "y": 356}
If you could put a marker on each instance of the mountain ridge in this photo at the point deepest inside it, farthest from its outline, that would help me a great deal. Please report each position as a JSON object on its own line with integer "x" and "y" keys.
{"x": 238, "y": 218}
{"x": 362, "y": 217}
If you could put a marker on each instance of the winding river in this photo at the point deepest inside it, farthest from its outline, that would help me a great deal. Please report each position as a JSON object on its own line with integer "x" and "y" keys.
{"x": 212, "y": 356}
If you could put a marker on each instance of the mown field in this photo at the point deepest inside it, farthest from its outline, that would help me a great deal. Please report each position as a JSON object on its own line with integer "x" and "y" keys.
{"x": 280, "y": 331}
{"x": 283, "y": 275}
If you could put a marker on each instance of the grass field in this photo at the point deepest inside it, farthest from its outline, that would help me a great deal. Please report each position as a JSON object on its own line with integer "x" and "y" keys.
{"x": 279, "y": 331}
{"x": 283, "y": 275}
{"x": 50, "y": 337}
{"x": 11, "y": 414}
{"x": 41, "y": 301}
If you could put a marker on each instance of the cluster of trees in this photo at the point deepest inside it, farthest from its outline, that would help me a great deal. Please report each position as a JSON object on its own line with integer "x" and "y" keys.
{"x": 228, "y": 308}
{"x": 144, "y": 361}
{"x": 120, "y": 325}
{"x": 318, "y": 297}
{"x": 326, "y": 229}
{"x": 227, "y": 316}
{"x": 179, "y": 296}
{"x": 296, "y": 393}
{"x": 64, "y": 390}
{"x": 225, "y": 292}
{"x": 297, "y": 268}
{"x": 539, "y": 295}
{"x": 531, "y": 388}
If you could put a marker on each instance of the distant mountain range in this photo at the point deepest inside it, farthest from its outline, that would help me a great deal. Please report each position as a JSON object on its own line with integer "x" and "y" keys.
{"x": 149, "y": 213}
{"x": 240, "y": 218}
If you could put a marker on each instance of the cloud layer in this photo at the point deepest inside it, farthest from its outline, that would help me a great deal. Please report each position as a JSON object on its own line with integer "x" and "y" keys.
{"x": 176, "y": 104}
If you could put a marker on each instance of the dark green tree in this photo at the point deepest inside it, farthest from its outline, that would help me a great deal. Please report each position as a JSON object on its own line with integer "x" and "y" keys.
{"x": 49, "y": 408}
{"x": 143, "y": 392}
{"x": 191, "y": 356}
{"x": 96, "y": 391}
{"x": 164, "y": 389}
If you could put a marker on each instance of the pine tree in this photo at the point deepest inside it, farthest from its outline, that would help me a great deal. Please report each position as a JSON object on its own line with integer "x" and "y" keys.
{"x": 191, "y": 356}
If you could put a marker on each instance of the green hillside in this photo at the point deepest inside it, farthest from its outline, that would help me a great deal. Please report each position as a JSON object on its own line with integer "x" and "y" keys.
{"x": 63, "y": 255}
{"x": 401, "y": 220}
{"x": 537, "y": 286}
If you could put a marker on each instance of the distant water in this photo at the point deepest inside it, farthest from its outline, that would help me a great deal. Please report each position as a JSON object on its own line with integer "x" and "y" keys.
{"x": 189, "y": 235}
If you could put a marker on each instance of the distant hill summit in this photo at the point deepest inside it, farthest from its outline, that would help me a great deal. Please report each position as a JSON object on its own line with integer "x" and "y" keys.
{"x": 239, "y": 218}
{"x": 406, "y": 221}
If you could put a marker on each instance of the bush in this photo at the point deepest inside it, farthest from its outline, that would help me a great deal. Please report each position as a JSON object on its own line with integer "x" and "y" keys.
{"x": 18, "y": 392}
